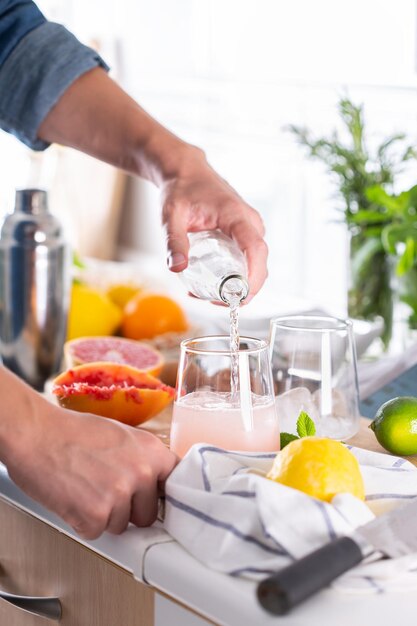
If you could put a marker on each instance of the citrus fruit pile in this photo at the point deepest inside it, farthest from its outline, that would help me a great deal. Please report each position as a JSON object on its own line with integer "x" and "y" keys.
{"x": 395, "y": 425}
{"x": 114, "y": 376}
{"x": 117, "y": 391}
{"x": 137, "y": 314}
{"x": 319, "y": 467}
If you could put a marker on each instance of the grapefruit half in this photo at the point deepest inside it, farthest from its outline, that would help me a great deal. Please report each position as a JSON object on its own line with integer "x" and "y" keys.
{"x": 113, "y": 390}
{"x": 114, "y": 350}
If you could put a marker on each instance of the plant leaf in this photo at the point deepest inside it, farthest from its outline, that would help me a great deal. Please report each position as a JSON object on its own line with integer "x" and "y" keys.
{"x": 396, "y": 234}
{"x": 393, "y": 204}
{"x": 286, "y": 438}
{"x": 368, "y": 217}
{"x": 388, "y": 143}
{"x": 406, "y": 261}
{"x": 305, "y": 425}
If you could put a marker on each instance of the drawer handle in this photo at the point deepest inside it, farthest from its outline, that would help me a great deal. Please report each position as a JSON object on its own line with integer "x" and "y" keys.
{"x": 45, "y": 607}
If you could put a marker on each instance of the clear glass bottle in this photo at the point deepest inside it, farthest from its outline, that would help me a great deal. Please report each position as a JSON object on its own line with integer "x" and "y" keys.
{"x": 216, "y": 268}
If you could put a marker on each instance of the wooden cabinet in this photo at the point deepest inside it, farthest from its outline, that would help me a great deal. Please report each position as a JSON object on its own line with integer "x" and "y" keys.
{"x": 37, "y": 560}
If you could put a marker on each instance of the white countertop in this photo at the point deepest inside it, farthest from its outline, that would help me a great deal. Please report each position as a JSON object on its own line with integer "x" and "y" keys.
{"x": 223, "y": 599}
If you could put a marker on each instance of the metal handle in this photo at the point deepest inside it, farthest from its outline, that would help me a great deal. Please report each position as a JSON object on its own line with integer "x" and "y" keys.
{"x": 45, "y": 607}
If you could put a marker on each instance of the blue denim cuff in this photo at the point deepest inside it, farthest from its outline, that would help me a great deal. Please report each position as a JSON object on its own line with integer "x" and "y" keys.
{"x": 17, "y": 19}
{"x": 36, "y": 74}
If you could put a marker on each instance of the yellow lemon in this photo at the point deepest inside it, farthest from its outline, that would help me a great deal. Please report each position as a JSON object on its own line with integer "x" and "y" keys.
{"x": 320, "y": 467}
{"x": 121, "y": 294}
{"x": 91, "y": 313}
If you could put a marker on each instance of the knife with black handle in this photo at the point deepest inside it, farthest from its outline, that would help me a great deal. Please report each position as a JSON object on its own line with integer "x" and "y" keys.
{"x": 394, "y": 534}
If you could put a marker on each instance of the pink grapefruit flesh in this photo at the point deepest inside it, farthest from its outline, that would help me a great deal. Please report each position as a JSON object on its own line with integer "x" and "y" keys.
{"x": 115, "y": 350}
{"x": 117, "y": 391}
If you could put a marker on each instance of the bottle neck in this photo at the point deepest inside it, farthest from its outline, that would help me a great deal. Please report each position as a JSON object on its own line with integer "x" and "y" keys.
{"x": 233, "y": 288}
{"x": 32, "y": 201}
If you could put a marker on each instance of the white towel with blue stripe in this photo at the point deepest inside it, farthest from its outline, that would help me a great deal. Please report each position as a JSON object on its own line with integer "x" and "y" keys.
{"x": 223, "y": 511}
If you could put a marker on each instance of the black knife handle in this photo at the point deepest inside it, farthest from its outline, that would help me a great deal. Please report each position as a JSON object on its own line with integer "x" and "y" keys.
{"x": 279, "y": 593}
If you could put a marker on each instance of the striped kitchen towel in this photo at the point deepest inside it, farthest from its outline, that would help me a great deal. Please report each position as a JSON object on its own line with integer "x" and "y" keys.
{"x": 221, "y": 508}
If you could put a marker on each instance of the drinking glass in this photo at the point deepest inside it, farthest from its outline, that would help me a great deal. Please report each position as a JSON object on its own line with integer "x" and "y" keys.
{"x": 313, "y": 361}
{"x": 208, "y": 410}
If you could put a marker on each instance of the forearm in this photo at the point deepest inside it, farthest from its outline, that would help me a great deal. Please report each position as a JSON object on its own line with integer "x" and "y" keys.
{"x": 20, "y": 410}
{"x": 96, "y": 116}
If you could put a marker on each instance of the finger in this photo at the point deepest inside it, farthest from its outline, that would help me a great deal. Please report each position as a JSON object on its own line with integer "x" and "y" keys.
{"x": 145, "y": 505}
{"x": 176, "y": 221}
{"x": 257, "y": 222}
{"x": 87, "y": 531}
{"x": 88, "y": 524}
{"x": 119, "y": 517}
{"x": 151, "y": 481}
{"x": 162, "y": 459}
{"x": 167, "y": 462}
{"x": 256, "y": 250}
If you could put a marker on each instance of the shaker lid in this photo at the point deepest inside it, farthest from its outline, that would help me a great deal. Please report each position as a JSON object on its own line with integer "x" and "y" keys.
{"x": 32, "y": 201}
{"x": 31, "y": 224}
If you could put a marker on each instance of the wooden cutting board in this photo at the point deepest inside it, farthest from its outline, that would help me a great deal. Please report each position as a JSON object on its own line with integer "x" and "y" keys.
{"x": 366, "y": 439}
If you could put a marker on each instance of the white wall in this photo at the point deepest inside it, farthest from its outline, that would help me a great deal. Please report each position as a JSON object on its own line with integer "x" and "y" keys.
{"x": 230, "y": 74}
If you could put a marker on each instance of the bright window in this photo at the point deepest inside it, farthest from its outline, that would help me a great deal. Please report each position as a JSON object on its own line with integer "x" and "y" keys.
{"x": 230, "y": 75}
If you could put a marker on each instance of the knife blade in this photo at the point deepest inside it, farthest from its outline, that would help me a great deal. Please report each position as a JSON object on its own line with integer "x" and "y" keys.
{"x": 393, "y": 533}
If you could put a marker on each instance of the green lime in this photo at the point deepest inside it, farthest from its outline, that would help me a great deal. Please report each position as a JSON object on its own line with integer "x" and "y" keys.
{"x": 395, "y": 425}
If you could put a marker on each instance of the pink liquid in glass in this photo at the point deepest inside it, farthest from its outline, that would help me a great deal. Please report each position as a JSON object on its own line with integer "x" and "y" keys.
{"x": 210, "y": 417}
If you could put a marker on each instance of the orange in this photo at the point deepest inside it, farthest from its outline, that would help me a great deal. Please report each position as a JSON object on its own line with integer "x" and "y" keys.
{"x": 120, "y": 392}
{"x": 148, "y": 315}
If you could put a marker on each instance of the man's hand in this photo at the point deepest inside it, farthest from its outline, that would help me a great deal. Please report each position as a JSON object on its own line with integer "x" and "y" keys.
{"x": 95, "y": 473}
{"x": 198, "y": 199}
{"x": 96, "y": 116}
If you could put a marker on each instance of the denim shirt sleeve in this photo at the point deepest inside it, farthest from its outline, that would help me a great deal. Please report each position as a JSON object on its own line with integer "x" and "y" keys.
{"x": 17, "y": 19}
{"x": 36, "y": 73}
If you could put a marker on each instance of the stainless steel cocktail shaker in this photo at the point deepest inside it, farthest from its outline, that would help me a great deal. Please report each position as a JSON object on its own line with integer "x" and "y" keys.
{"x": 34, "y": 289}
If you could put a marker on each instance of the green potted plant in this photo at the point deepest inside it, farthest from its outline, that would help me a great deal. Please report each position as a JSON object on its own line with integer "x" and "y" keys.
{"x": 399, "y": 239}
{"x": 356, "y": 168}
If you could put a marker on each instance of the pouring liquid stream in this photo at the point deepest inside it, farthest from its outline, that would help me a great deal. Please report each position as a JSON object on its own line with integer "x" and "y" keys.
{"x": 239, "y": 365}
{"x": 233, "y": 298}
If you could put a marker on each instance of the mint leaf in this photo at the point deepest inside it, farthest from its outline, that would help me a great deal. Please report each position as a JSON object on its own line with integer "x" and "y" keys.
{"x": 286, "y": 438}
{"x": 305, "y": 425}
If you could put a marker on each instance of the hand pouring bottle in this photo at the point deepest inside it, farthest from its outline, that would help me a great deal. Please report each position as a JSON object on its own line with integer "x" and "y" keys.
{"x": 216, "y": 268}
{"x": 34, "y": 289}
